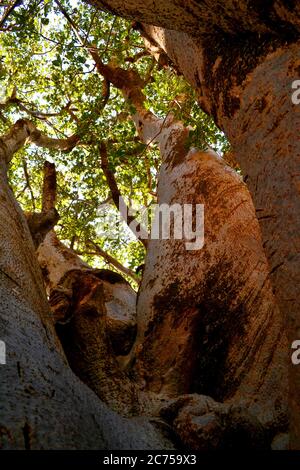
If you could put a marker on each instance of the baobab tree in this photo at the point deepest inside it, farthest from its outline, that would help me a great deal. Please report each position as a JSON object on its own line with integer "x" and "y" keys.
{"x": 207, "y": 337}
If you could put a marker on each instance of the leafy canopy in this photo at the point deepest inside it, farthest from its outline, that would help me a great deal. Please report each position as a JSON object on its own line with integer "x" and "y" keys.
{"x": 48, "y": 76}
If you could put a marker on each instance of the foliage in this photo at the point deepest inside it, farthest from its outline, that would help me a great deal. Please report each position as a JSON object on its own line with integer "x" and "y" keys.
{"x": 47, "y": 75}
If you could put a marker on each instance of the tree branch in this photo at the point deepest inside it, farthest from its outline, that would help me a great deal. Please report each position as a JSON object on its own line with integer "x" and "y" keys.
{"x": 116, "y": 194}
{"x": 40, "y": 223}
{"x": 9, "y": 10}
{"x": 111, "y": 260}
{"x": 128, "y": 81}
{"x": 49, "y": 187}
{"x": 24, "y": 131}
{"x": 28, "y": 185}
{"x": 31, "y": 112}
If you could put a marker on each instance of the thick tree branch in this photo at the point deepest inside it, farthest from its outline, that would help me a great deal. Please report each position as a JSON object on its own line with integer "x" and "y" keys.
{"x": 129, "y": 82}
{"x": 40, "y": 223}
{"x": 137, "y": 57}
{"x": 94, "y": 312}
{"x": 114, "y": 262}
{"x": 49, "y": 187}
{"x": 24, "y": 131}
{"x": 117, "y": 197}
{"x": 28, "y": 185}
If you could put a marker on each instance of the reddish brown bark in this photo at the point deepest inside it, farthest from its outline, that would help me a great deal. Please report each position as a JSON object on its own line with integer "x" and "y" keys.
{"x": 228, "y": 294}
{"x": 207, "y": 319}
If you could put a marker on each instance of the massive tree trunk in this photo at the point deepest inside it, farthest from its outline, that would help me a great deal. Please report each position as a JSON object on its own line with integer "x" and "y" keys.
{"x": 206, "y": 316}
{"x": 223, "y": 318}
{"x": 261, "y": 123}
{"x": 208, "y": 16}
{"x": 242, "y": 59}
{"x": 85, "y": 307}
{"x": 95, "y": 319}
{"x": 94, "y": 313}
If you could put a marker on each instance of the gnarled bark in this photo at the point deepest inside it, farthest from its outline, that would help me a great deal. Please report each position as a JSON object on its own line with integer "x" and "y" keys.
{"x": 94, "y": 312}
{"x": 203, "y": 423}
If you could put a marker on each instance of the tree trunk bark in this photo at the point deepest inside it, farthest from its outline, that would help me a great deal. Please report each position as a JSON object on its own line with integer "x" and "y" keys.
{"x": 207, "y": 316}
{"x": 200, "y": 333}
{"x": 262, "y": 125}
{"x": 206, "y": 16}
{"x": 95, "y": 315}
{"x": 219, "y": 298}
